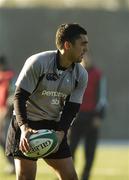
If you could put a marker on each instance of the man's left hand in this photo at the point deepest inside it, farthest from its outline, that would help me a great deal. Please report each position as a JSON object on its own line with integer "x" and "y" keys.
{"x": 96, "y": 122}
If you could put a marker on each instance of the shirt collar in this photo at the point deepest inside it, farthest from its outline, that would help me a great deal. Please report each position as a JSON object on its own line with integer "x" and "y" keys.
{"x": 57, "y": 64}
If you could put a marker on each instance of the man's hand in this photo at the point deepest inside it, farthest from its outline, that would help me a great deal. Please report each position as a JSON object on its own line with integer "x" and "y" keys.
{"x": 97, "y": 122}
{"x": 25, "y": 134}
{"x": 60, "y": 136}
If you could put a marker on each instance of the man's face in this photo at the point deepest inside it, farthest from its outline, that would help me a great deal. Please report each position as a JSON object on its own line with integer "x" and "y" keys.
{"x": 79, "y": 48}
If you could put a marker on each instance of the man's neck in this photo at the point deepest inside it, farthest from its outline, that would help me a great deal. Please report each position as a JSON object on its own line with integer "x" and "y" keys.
{"x": 64, "y": 61}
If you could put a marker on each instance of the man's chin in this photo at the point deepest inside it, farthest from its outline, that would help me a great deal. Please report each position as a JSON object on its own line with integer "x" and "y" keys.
{"x": 79, "y": 60}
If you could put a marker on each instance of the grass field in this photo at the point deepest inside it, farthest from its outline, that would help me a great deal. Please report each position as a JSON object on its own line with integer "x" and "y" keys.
{"x": 111, "y": 163}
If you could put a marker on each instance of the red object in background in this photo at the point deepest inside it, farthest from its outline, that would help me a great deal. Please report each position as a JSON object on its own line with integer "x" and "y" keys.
{"x": 5, "y": 77}
{"x": 90, "y": 96}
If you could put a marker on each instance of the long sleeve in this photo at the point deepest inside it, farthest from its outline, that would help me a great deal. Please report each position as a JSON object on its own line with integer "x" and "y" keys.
{"x": 20, "y": 98}
{"x": 102, "y": 97}
{"x": 68, "y": 114}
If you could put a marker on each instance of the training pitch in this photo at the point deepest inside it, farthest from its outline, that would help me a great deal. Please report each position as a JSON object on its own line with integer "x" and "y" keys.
{"x": 111, "y": 163}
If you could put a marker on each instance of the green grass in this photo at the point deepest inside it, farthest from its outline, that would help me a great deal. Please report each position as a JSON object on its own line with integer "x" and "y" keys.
{"x": 111, "y": 163}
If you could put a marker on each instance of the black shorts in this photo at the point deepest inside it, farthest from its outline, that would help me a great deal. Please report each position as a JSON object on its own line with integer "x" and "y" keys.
{"x": 13, "y": 139}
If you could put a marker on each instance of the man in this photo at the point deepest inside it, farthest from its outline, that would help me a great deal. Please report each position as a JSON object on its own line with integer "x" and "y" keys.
{"x": 6, "y": 78}
{"x": 91, "y": 113}
{"x": 48, "y": 95}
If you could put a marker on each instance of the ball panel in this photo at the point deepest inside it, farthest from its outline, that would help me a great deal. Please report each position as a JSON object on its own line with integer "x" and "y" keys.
{"x": 54, "y": 145}
{"x": 42, "y": 143}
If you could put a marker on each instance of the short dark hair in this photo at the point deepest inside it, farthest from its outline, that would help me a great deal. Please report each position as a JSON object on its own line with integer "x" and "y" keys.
{"x": 68, "y": 32}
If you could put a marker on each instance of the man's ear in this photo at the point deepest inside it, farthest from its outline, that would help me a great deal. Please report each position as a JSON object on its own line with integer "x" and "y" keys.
{"x": 67, "y": 45}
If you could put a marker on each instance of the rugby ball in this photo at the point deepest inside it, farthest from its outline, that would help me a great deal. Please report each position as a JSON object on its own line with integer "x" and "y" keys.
{"x": 42, "y": 143}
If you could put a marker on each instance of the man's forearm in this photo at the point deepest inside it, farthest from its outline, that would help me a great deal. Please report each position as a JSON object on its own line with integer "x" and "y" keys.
{"x": 69, "y": 112}
{"x": 20, "y": 98}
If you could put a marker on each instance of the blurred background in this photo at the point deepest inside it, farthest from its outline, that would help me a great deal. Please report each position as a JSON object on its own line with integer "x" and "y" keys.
{"x": 29, "y": 26}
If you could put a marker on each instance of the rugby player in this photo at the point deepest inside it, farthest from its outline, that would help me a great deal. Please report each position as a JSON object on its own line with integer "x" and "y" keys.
{"x": 49, "y": 91}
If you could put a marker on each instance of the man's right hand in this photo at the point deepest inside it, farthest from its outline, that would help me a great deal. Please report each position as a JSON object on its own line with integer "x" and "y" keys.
{"x": 25, "y": 134}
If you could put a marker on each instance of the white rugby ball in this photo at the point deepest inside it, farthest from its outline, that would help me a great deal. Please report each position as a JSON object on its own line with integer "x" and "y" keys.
{"x": 42, "y": 143}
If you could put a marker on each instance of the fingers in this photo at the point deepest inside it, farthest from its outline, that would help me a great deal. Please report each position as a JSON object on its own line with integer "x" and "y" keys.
{"x": 24, "y": 145}
{"x": 60, "y": 135}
